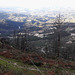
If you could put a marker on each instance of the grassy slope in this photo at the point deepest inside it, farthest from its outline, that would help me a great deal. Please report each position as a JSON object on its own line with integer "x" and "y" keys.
{"x": 19, "y": 67}
{"x": 9, "y": 65}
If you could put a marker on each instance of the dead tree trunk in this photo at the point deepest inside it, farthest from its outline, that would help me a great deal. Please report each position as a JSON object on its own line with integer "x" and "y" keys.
{"x": 58, "y": 23}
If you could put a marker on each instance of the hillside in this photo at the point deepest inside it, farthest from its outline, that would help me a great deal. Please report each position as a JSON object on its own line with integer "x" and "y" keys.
{"x": 14, "y": 67}
{"x": 10, "y": 21}
{"x": 15, "y": 62}
{"x": 7, "y": 27}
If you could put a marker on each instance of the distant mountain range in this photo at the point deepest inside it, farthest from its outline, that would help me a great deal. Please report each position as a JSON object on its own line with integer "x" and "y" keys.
{"x": 11, "y": 19}
{"x": 48, "y": 12}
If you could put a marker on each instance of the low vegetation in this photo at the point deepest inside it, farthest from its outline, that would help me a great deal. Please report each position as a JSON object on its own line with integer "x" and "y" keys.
{"x": 32, "y": 64}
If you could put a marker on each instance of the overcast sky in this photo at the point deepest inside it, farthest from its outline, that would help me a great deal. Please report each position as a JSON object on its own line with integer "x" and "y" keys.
{"x": 33, "y": 4}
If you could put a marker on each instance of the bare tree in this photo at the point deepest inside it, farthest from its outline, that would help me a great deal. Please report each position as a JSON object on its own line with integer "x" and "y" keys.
{"x": 58, "y": 22}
